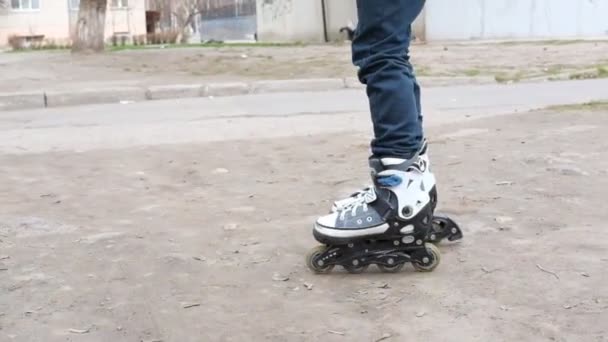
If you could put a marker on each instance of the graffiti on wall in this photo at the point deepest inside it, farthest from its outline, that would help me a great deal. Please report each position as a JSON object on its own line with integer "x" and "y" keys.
{"x": 275, "y": 9}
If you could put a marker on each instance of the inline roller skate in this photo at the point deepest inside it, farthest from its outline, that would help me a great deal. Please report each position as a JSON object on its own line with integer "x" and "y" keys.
{"x": 388, "y": 224}
{"x": 443, "y": 227}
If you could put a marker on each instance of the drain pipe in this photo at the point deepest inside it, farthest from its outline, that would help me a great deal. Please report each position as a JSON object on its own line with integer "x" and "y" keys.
{"x": 324, "y": 13}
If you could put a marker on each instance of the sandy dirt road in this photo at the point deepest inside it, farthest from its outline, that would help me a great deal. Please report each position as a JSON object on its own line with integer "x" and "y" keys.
{"x": 205, "y": 241}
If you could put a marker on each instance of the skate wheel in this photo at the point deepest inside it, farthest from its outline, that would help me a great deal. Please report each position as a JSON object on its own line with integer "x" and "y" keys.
{"x": 434, "y": 256}
{"x": 391, "y": 269}
{"x": 312, "y": 262}
{"x": 356, "y": 269}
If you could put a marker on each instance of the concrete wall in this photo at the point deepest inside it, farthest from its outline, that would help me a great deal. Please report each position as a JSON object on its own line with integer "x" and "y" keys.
{"x": 55, "y": 20}
{"x": 290, "y": 20}
{"x": 342, "y": 12}
{"x": 339, "y": 14}
{"x": 515, "y": 19}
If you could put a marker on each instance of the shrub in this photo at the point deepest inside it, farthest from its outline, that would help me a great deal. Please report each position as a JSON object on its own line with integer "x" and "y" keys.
{"x": 15, "y": 42}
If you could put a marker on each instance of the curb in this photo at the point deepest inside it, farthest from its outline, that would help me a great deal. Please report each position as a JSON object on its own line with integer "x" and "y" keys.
{"x": 93, "y": 96}
{"x": 12, "y": 101}
{"x": 44, "y": 99}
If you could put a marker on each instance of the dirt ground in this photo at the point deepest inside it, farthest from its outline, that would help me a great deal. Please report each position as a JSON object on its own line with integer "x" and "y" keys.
{"x": 206, "y": 242}
{"x": 435, "y": 64}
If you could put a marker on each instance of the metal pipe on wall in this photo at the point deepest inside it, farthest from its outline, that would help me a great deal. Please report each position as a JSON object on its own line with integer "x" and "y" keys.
{"x": 324, "y": 14}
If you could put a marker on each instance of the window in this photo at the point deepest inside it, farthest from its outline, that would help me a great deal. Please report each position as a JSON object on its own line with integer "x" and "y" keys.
{"x": 25, "y": 5}
{"x": 120, "y": 3}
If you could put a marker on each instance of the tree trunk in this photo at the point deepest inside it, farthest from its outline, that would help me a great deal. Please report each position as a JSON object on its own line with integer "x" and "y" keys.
{"x": 90, "y": 27}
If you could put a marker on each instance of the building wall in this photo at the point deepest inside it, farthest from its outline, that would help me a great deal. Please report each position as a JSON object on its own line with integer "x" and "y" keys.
{"x": 51, "y": 20}
{"x": 55, "y": 20}
{"x": 344, "y": 12}
{"x": 444, "y": 19}
{"x": 340, "y": 13}
{"x": 515, "y": 19}
{"x": 290, "y": 20}
{"x": 130, "y": 21}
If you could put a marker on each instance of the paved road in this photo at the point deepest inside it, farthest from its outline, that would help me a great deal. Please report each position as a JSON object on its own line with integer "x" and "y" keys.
{"x": 262, "y": 116}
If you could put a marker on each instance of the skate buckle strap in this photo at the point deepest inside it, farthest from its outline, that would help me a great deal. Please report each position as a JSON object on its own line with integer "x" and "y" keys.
{"x": 389, "y": 181}
{"x": 377, "y": 166}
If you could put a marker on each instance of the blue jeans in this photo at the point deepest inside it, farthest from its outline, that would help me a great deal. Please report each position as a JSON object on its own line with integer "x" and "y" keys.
{"x": 381, "y": 51}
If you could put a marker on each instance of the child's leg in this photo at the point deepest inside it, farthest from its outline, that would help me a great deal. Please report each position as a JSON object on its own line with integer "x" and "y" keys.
{"x": 380, "y": 50}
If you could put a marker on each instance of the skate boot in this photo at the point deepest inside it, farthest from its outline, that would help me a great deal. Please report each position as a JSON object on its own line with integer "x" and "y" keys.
{"x": 387, "y": 225}
{"x": 428, "y": 175}
{"x": 443, "y": 226}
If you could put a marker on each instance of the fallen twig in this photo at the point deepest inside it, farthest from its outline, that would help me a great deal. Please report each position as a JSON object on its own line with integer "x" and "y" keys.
{"x": 487, "y": 271}
{"x": 547, "y": 271}
{"x": 260, "y": 261}
{"x": 384, "y": 337}
{"x": 335, "y": 332}
{"x": 79, "y": 331}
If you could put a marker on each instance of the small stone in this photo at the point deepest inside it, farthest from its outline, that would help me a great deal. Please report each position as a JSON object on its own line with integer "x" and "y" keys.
{"x": 231, "y": 226}
{"x": 119, "y": 328}
{"x": 420, "y": 314}
{"x": 503, "y": 219}
{"x": 308, "y": 286}
{"x": 220, "y": 170}
{"x": 384, "y": 286}
{"x": 279, "y": 277}
{"x": 384, "y": 337}
{"x": 585, "y": 274}
{"x": 199, "y": 258}
{"x": 503, "y": 183}
{"x": 79, "y": 331}
{"x": 568, "y": 171}
{"x": 504, "y": 308}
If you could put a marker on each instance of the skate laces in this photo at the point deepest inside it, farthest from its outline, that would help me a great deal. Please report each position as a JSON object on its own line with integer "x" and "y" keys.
{"x": 361, "y": 199}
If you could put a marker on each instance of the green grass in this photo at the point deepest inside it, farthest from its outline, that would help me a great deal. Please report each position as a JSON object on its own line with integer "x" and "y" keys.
{"x": 166, "y": 46}
{"x": 587, "y": 106}
{"x": 45, "y": 49}
{"x": 600, "y": 71}
{"x": 555, "y": 69}
{"x": 509, "y": 77}
{"x": 472, "y": 72}
{"x": 550, "y": 42}
{"x": 423, "y": 71}
{"x": 201, "y": 45}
